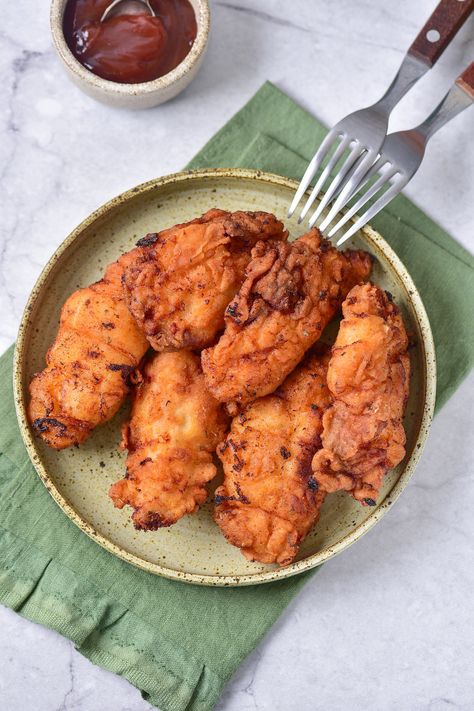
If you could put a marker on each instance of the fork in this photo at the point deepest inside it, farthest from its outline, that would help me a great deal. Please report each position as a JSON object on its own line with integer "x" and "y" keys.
{"x": 401, "y": 156}
{"x": 363, "y": 132}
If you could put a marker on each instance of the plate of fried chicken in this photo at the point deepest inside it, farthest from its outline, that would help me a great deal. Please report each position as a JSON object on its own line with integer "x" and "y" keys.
{"x": 215, "y": 394}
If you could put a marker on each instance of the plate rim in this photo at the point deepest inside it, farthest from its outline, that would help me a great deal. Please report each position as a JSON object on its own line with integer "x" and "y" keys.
{"x": 428, "y": 355}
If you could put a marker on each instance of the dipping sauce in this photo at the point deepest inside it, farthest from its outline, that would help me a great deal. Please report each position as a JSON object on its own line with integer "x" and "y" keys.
{"x": 133, "y": 47}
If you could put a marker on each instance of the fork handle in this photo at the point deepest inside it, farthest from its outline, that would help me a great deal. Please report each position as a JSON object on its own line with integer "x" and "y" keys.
{"x": 466, "y": 81}
{"x": 440, "y": 29}
{"x": 458, "y": 98}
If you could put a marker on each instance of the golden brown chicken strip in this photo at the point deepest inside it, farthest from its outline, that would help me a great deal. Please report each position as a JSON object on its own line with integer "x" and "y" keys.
{"x": 290, "y": 293}
{"x": 97, "y": 348}
{"x": 368, "y": 376}
{"x": 183, "y": 278}
{"x": 174, "y": 428}
{"x": 269, "y": 499}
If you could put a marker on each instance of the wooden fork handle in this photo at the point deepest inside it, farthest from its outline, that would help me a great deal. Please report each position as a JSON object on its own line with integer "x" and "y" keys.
{"x": 466, "y": 80}
{"x": 440, "y": 29}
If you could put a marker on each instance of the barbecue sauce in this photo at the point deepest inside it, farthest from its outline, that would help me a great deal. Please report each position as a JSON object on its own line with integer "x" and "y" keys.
{"x": 130, "y": 48}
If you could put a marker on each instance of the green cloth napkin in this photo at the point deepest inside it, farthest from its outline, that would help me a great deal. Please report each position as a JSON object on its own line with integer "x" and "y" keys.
{"x": 179, "y": 643}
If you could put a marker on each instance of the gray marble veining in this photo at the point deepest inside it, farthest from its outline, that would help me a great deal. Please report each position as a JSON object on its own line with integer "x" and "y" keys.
{"x": 388, "y": 625}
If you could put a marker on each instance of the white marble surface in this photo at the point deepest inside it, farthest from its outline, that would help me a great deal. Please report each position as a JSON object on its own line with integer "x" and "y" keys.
{"x": 387, "y": 625}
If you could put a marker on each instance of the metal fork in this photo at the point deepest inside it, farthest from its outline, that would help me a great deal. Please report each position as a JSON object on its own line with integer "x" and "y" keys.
{"x": 363, "y": 132}
{"x": 401, "y": 157}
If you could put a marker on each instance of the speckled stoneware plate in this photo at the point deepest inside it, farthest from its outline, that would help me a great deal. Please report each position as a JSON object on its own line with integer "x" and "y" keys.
{"x": 194, "y": 550}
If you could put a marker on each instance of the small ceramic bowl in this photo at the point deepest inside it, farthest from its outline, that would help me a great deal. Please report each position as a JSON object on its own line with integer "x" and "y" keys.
{"x": 133, "y": 96}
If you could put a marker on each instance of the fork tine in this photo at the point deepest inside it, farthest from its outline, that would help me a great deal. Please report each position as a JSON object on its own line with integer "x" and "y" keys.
{"x": 365, "y": 197}
{"x": 348, "y": 163}
{"x": 370, "y": 173}
{"x": 324, "y": 176}
{"x": 350, "y": 187}
{"x": 312, "y": 169}
{"x": 348, "y": 176}
{"x": 374, "y": 209}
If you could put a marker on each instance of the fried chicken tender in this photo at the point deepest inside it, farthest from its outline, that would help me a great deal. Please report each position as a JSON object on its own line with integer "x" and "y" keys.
{"x": 184, "y": 277}
{"x": 368, "y": 376}
{"x": 290, "y": 293}
{"x": 269, "y": 499}
{"x": 89, "y": 366}
{"x": 174, "y": 428}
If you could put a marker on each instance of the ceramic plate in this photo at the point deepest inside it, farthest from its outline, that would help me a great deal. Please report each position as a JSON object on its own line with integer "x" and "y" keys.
{"x": 194, "y": 550}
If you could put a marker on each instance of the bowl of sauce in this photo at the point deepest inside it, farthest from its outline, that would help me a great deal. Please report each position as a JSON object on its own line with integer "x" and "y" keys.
{"x": 130, "y": 53}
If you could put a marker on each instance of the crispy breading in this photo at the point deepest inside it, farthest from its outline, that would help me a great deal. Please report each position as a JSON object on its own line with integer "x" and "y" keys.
{"x": 290, "y": 293}
{"x": 174, "y": 428}
{"x": 368, "y": 376}
{"x": 183, "y": 278}
{"x": 269, "y": 499}
{"x": 97, "y": 348}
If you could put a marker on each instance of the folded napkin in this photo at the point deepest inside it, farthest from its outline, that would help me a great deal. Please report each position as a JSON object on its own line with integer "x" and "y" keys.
{"x": 180, "y": 643}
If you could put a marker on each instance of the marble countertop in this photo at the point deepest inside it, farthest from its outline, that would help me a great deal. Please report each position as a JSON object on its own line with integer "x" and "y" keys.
{"x": 389, "y": 623}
